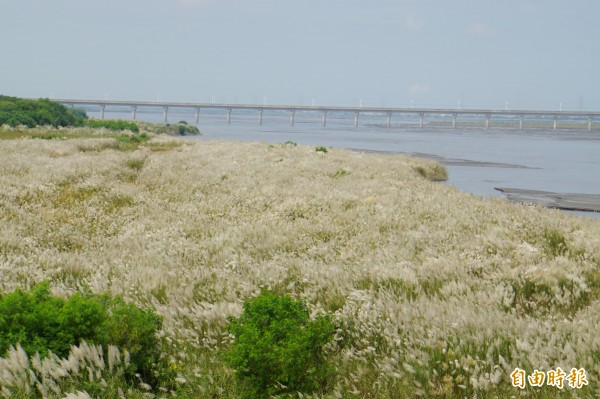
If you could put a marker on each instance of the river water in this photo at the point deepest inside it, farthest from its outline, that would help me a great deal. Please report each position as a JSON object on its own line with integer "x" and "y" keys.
{"x": 478, "y": 160}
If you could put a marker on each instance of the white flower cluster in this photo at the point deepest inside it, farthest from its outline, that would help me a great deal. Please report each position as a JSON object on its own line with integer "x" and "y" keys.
{"x": 437, "y": 291}
{"x": 51, "y": 376}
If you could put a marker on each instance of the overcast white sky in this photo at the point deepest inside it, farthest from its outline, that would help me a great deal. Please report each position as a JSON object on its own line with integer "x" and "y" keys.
{"x": 484, "y": 53}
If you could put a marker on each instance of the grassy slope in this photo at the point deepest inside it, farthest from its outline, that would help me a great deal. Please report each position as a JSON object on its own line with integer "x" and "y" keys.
{"x": 440, "y": 293}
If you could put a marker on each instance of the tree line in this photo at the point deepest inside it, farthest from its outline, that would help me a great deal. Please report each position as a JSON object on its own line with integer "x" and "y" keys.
{"x": 43, "y": 112}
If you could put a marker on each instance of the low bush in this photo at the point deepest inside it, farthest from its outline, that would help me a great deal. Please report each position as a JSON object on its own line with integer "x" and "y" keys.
{"x": 42, "y": 323}
{"x": 321, "y": 149}
{"x": 185, "y": 129}
{"x": 114, "y": 125}
{"x": 434, "y": 173}
{"x": 182, "y": 128}
{"x": 16, "y": 112}
{"x": 132, "y": 139}
{"x": 277, "y": 349}
{"x": 130, "y": 142}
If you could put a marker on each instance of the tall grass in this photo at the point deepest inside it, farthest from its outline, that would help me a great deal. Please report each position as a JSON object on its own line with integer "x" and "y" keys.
{"x": 435, "y": 293}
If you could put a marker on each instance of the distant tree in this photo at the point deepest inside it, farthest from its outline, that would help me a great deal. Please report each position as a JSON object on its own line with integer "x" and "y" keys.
{"x": 16, "y": 111}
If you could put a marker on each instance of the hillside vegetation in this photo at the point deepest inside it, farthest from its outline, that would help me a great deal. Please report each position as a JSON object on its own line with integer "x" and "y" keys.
{"x": 432, "y": 292}
{"x": 16, "y": 111}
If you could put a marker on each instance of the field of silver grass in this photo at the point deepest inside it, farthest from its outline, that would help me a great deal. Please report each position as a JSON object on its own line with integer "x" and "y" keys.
{"x": 437, "y": 293}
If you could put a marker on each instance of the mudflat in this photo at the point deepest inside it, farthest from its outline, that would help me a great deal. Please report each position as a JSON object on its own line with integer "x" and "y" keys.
{"x": 566, "y": 201}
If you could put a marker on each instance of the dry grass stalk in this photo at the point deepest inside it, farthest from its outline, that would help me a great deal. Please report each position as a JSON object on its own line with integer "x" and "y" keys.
{"x": 442, "y": 293}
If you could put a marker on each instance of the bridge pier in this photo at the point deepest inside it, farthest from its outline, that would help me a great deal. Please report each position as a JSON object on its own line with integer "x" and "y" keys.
{"x": 589, "y": 123}
{"x": 133, "y": 111}
{"x": 487, "y": 120}
{"x": 229, "y": 116}
{"x": 521, "y": 122}
{"x": 102, "y": 108}
{"x": 555, "y": 122}
{"x": 325, "y": 118}
{"x": 260, "y": 115}
{"x": 356, "y": 119}
{"x": 389, "y": 119}
{"x": 166, "y": 113}
{"x": 421, "y": 115}
{"x": 454, "y": 121}
{"x": 292, "y": 117}
{"x": 197, "y": 115}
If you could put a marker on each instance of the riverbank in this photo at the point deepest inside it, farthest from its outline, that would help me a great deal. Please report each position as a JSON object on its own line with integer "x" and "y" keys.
{"x": 436, "y": 292}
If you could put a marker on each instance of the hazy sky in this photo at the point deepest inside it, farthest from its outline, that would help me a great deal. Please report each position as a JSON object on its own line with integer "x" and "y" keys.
{"x": 531, "y": 54}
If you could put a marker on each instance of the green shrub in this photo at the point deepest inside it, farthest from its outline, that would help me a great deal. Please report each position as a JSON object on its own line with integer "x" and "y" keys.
{"x": 555, "y": 243}
{"x": 321, "y": 149}
{"x": 135, "y": 329}
{"x": 114, "y": 125}
{"x": 182, "y": 128}
{"x": 340, "y": 173}
{"x": 15, "y": 111}
{"x": 132, "y": 139}
{"x": 277, "y": 349}
{"x": 129, "y": 142}
{"x": 136, "y": 163}
{"x": 433, "y": 173}
{"x": 41, "y": 323}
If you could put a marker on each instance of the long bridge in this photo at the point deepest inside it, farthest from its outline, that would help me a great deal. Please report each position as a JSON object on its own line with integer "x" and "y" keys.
{"x": 587, "y": 117}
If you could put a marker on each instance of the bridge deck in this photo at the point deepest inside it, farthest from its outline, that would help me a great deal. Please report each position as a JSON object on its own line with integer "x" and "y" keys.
{"x": 323, "y": 108}
{"x": 520, "y": 115}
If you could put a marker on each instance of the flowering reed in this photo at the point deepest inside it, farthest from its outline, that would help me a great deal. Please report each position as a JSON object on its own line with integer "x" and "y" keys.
{"x": 52, "y": 377}
{"x": 436, "y": 292}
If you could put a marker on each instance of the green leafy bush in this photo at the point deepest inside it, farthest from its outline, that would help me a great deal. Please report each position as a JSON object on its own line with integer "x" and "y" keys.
{"x": 182, "y": 128}
{"x": 185, "y": 129}
{"x": 135, "y": 329}
{"x": 130, "y": 142}
{"x": 115, "y": 125}
{"x": 41, "y": 323}
{"x": 16, "y": 111}
{"x": 277, "y": 349}
{"x": 321, "y": 149}
{"x": 133, "y": 139}
{"x": 434, "y": 173}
